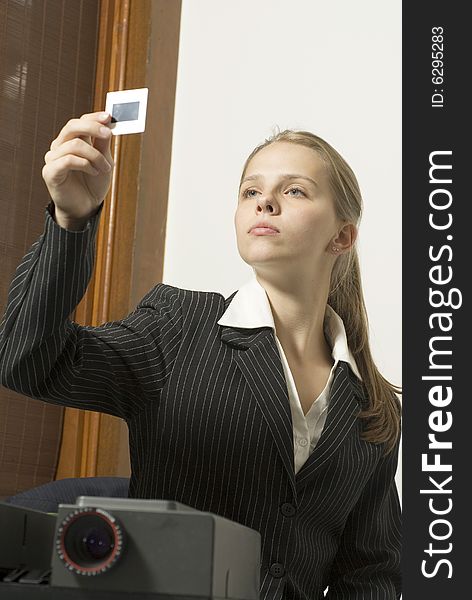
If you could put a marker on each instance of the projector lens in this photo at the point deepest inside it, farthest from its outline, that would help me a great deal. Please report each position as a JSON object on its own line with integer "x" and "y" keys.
{"x": 89, "y": 541}
{"x": 97, "y": 542}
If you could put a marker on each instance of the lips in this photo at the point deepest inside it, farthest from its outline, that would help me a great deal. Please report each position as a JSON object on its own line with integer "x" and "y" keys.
{"x": 263, "y": 231}
{"x": 263, "y": 225}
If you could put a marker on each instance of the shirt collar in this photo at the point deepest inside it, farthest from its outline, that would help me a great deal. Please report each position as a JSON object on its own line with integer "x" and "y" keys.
{"x": 250, "y": 308}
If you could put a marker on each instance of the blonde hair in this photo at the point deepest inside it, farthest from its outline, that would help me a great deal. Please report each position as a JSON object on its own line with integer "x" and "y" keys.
{"x": 382, "y": 409}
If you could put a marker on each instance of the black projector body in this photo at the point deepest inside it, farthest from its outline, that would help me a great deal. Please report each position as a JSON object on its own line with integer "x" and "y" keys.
{"x": 155, "y": 546}
{"x": 129, "y": 546}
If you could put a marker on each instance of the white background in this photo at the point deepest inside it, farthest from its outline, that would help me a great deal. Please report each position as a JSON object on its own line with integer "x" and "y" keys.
{"x": 333, "y": 68}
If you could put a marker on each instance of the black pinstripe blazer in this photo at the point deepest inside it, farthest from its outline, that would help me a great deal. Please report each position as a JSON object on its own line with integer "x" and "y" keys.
{"x": 209, "y": 421}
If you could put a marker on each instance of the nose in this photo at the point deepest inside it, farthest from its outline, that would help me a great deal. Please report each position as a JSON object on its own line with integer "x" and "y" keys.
{"x": 268, "y": 204}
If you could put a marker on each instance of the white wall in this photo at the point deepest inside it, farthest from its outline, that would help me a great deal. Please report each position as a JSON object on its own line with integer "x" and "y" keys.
{"x": 333, "y": 68}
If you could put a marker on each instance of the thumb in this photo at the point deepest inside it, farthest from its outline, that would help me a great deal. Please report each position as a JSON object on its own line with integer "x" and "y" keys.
{"x": 103, "y": 144}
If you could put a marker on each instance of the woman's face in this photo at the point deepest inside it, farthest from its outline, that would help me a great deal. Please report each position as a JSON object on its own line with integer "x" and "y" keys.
{"x": 301, "y": 207}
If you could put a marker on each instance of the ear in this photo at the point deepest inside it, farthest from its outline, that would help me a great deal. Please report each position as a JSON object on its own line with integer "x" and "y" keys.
{"x": 346, "y": 237}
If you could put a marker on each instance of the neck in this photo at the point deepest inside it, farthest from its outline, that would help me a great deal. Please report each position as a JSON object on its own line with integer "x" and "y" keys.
{"x": 298, "y": 310}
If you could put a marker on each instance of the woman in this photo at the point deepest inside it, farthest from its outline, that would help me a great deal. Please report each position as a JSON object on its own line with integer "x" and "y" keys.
{"x": 265, "y": 407}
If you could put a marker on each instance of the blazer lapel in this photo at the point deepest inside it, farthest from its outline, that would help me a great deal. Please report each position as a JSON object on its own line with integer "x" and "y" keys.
{"x": 343, "y": 409}
{"x": 258, "y": 358}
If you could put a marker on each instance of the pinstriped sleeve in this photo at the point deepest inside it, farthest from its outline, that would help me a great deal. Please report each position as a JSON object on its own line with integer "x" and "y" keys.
{"x": 114, "y": 368}
{"x": 368, "y": 562}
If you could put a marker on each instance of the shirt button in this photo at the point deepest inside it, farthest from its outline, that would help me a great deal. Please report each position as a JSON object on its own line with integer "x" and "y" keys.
{"x": 287, "y": 509}
{"x": 277, "y": 570}
{"x": 303, "y": 441}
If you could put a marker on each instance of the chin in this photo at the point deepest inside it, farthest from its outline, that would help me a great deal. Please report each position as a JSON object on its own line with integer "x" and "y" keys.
{"x": 258, "y": 255}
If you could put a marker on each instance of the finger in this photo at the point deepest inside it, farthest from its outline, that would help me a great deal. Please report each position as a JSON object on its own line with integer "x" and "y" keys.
{"x": 80, "y": 148}
{"x": 81, "y": 128}
{"x": 56, "y": 172}
{"x": 102, "y": 117}
{"x": 103, "y": 145}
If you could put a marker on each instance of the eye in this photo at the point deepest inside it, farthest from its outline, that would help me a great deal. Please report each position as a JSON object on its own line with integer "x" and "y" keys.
{"x": 296, "y": 190}
{"x": 246, "y": 193}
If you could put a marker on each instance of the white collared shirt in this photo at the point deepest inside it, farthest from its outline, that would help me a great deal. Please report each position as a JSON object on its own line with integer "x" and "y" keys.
{"x": 250, "y": 308}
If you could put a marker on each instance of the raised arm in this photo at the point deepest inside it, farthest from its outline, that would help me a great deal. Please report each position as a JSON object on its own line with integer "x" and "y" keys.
{"x": 113, "y": 368}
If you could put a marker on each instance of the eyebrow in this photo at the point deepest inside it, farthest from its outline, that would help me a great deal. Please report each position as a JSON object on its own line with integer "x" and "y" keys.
{"x": 285, "y": 176}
